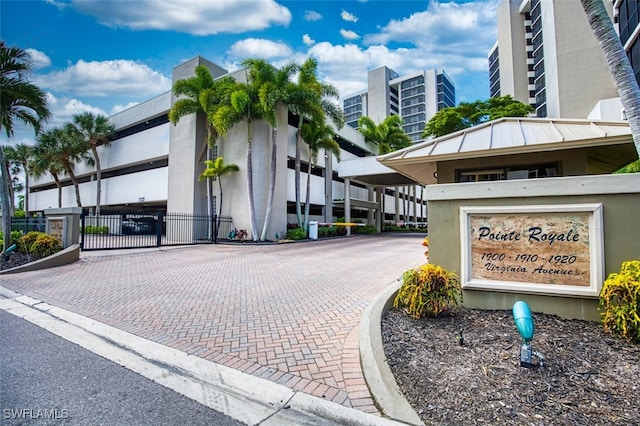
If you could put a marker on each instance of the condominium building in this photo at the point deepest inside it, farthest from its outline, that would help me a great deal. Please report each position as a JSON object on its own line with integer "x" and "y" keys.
{"x": 627, "y": 18}
{"x": 547, "y": 56}
{"x": 415, "y": 97}
{"x": 153, "y": 165}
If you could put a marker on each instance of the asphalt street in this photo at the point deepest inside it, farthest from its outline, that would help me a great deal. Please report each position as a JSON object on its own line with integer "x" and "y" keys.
{"x": 47, "y": 380}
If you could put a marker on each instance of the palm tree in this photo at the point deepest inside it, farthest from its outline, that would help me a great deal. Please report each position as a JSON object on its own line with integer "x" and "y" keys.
{"x": 21, "y": 156}
{"x": 618, "y": 62}
{"x": 311, "y": 100}
{"x": 274, "y": 89}
{"x": 216, "y": 169}
{"x": 201, "y": 94}
{"x": 95, "y": 130}
{"x": 19, "y": 100}
{"x": 46, "y": 161}
{"x": 244, "y": 106}
{"x": 68, "y": 148}
{"x": 317, "y": 135}
{"x": 9, "y": 154}
{"x": 388, "y": 135}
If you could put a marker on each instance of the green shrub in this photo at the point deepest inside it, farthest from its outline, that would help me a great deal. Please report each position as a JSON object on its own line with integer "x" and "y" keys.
{"x": 14, "y": 239}
{"x": 367, "y": 229}
{"x": 45, "y": 245}
{"x": 428, "y": 290}
{"x": 620, "y": 302}
{"x": 395, "y": 228}
{"x": 296, "y": 234}
{"x": 24, "y": 245}
{"x": 90, "y": 229}
{"x": 327, "y": 231}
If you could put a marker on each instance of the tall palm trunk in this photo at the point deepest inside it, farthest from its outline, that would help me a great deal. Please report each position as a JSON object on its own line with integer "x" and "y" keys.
{"x": 618, "y": 62}
{"x": 26, "y": 190}
{"x": 10, "y": 191}
{"x": 219, "y": 208}
{"x": 210, "y": 211}
{"x": 74, "y": 180}
{"x": 307, "y": 198}
{"x": 252, "y": 210}
{"x": 94, "y": 150}
{"x": 4, "y": 194}
{"x": 59, "y": 186}
{"x": 272, "y": 182}
{"x": 299, "y": 219}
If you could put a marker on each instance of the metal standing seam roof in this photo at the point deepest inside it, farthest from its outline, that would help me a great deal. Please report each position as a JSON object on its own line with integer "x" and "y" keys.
{"x": 513, "y": 136}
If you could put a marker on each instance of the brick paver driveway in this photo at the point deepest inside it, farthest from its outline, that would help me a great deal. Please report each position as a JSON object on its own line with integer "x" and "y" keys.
{"x": 287, "y": 312}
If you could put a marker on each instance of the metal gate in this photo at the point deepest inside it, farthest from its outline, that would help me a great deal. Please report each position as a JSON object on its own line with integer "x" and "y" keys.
{"x": 126, "y": 230}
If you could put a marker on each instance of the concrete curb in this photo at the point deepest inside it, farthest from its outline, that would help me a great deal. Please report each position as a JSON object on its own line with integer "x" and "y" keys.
{"x": 246, "y": 398}
{"x": 63, "y": 257}
{"x": 380, "y": 380}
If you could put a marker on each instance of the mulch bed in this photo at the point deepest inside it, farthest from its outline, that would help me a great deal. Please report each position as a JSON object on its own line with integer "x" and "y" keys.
{"x": 589, "y": 377}
{"x": 16, "y": 259}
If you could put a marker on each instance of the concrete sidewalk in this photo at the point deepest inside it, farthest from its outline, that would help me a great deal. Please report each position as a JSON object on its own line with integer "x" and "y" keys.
{"x": 286, "y": 313}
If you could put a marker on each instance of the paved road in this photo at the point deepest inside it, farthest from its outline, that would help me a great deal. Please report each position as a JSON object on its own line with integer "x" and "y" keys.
{"x": 45, "y": 379}
{"x": 288, "y": 313}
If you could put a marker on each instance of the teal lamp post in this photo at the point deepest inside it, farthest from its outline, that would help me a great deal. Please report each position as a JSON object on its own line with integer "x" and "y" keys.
{"x": 524, "y": 323}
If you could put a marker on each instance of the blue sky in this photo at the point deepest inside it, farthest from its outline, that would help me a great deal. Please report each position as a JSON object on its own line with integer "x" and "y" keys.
{"x": 106, "y": 55}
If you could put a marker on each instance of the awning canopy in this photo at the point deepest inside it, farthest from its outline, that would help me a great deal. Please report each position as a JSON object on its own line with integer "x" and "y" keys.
{"x": 505, "y": 136}
{"x": 369, "y": 171}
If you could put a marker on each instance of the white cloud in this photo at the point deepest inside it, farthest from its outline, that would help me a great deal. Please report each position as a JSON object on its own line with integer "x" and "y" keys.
{"x": 259, "y": 47}
{"x": 348, "y": 16}
{"x": 200, "y": 17}
{"x": 118, "y": 108}
{"x": 106, "y": 78}
{"x": 348, "y": 76}
{"x": 349, "y": 35}
{"x": 306, "y": 39}
{"x": 467, "y": 28}
{"x": 311, "y": 15}
{"x": 63, "y": 109}
{"x": 39, "y": 59}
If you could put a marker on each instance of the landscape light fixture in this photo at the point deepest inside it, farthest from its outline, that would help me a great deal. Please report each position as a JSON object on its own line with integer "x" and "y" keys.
{"x": 524, "y": 324}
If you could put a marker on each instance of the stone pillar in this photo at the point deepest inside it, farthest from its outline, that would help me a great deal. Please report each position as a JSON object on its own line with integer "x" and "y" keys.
{"x": 64, "y": 224}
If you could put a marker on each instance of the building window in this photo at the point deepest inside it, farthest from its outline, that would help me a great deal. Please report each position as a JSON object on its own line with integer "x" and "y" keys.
{"x": 508, "y": 173}
{"x": 413, "y": 128}
{"x": 355, "y": 100}
{"x": 414, "y": 118}
{"x": 412, "y": 82}
{"x": 413, "y": 101}
{"x": 412, "y": 92}
{"x": 413, "y": 110}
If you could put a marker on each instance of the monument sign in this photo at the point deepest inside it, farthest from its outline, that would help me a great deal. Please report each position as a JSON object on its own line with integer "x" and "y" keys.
{"x": 550, "y": 249}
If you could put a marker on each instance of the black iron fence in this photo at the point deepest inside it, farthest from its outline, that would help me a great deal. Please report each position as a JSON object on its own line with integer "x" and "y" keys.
{"x": 121, "y": 230}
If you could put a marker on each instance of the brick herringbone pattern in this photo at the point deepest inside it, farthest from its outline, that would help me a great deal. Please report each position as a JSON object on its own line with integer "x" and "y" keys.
{"x": 288, "y": 313}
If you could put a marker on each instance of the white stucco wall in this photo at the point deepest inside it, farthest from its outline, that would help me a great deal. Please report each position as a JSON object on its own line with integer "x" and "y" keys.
{"x": 125, "y": 189}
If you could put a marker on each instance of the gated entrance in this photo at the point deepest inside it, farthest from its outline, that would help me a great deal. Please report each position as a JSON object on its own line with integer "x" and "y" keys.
{"x": 144, "y": 229}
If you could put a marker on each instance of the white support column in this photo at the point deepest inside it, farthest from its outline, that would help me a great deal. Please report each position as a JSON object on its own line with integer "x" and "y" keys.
{"x": 370, "y": 198}
{"x": 347, "y": 203}
{"x": 380, "y": 212}
{"x": 396, "y": 198}
{"x": 414, "y": 192}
